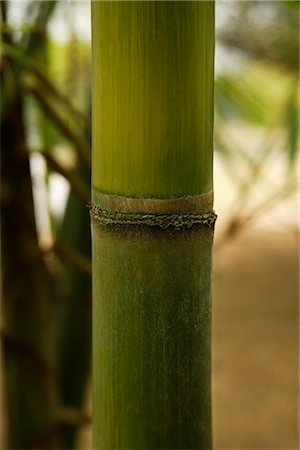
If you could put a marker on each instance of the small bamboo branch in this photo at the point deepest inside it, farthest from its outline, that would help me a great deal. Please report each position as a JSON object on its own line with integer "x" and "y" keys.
{"x": 74, "y": 257}
{"x": 78, "y": 142}
{"x": 28, "y": 63}
{"x": 76, "y": 183}
{"x": 14, "y": 345}
{"x": 74, "y": 416}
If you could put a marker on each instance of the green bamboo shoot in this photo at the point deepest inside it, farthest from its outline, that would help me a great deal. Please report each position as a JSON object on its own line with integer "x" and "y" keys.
{"x": 153, "y": 67}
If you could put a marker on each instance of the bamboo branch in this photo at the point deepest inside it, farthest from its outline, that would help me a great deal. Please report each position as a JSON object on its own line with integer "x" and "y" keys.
{"x": 13, "y": 344}
{"x": 73, "y": 416}
{"x": 240, "y": 221}
{"x": 267, "y": 203}
{"x": 78, "y": 142}
{"x": 76, "y": 183}
{"x": 27, "y": 62}
{"x": 74, "y": 257}
{"x": 44, "y": 12}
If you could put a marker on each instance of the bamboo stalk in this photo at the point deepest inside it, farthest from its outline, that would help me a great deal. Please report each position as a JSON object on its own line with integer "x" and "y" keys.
{"x": 31, "y": 391}
{"x": 74, "y": 314}
{"x": 152, "y": 223}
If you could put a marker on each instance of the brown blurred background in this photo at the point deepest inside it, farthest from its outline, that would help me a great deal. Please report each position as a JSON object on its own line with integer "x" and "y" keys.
{"x": 45, "y": 135}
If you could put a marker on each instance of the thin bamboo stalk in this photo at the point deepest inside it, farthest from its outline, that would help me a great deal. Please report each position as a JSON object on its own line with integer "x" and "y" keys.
{"x": 75, "y": 312}
{"x": 152, "y": 183}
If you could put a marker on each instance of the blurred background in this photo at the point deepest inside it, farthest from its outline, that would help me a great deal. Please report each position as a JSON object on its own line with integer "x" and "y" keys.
{"x": 45, "y": 245}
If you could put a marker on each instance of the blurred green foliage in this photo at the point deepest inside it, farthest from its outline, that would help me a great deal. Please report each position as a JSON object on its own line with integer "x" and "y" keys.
{"x": 263, "y": 89}
{"x": 50, "y": 102}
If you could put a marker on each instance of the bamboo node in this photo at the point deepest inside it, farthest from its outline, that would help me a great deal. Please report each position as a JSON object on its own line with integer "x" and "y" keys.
{"x": 103, "y": 217}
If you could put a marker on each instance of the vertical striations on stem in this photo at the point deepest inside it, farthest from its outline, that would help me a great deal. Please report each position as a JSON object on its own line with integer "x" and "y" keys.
{"x": 153, "y": 97}
{"x": 152, "y": 223}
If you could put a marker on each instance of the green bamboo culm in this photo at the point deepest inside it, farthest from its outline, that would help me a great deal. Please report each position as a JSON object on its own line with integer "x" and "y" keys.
{"x": 153, "y": 72}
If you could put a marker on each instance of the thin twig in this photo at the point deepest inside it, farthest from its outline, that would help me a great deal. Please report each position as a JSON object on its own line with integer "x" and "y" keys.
{"x": 34, "y": 68}
{"x": 76, "y": 183}
{"x": 74, "y": 257}
{"x": 78, "y": 142}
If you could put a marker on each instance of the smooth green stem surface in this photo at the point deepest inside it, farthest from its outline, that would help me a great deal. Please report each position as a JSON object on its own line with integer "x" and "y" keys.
{"x": 151, "y": 340}
{"x": 153, "y": 97}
